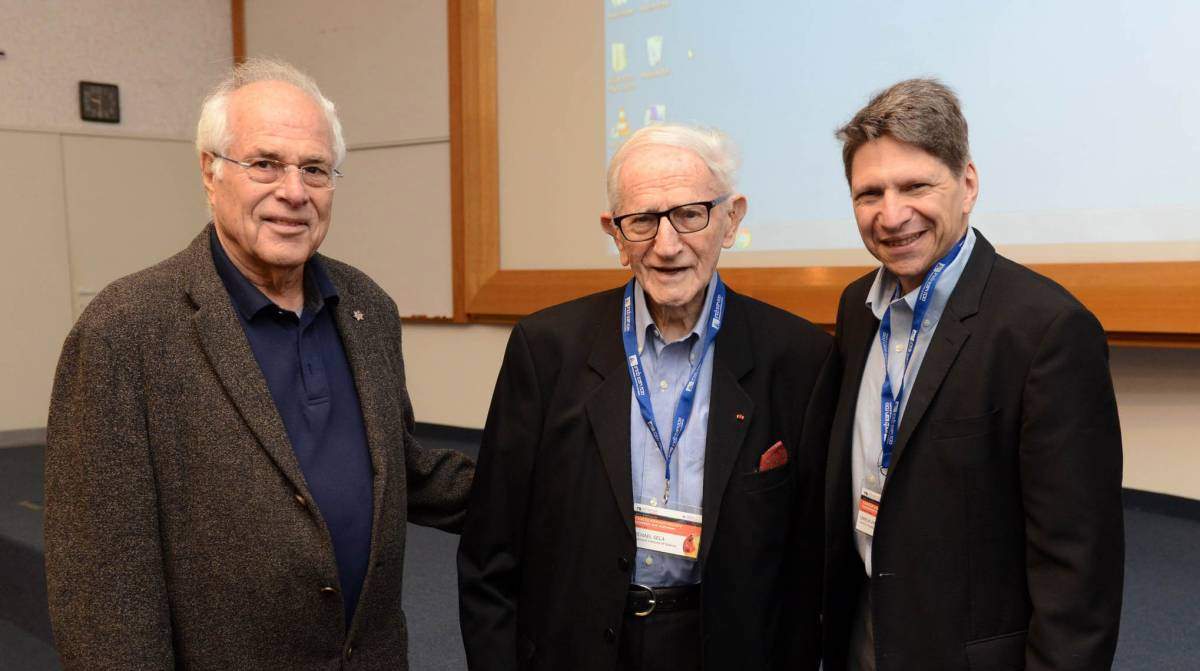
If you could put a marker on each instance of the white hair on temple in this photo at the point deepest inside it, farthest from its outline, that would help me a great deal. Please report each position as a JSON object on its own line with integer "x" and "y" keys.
{"x": 212, "y": 131}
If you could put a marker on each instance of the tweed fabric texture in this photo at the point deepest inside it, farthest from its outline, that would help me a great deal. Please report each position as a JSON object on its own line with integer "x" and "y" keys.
{"x": 180, "y": 532}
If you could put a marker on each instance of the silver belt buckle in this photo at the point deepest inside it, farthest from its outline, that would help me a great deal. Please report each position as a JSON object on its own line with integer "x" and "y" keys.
{"x": 653, "y": 603}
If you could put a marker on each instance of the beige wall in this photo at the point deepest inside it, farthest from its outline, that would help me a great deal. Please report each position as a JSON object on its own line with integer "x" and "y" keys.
{"x": 82, "y": 210}
{"x": 383, "y": 62}
{"x": 84, "y": 202}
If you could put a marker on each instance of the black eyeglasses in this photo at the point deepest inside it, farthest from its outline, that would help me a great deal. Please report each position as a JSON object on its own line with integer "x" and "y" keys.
{"x": 686, "y": 218}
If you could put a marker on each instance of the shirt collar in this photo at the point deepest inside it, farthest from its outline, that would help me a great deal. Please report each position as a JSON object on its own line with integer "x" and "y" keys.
{"x": 248, "y": 300}
{"x": 643, "y": 321}
{"x": 879, "y": 297}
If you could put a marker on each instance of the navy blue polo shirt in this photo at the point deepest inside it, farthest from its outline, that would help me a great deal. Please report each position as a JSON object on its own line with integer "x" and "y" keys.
{"x": 313, "y": 388}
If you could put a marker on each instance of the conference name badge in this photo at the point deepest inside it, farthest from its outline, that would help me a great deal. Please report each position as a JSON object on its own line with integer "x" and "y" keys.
{"x": 868, "y": 510}
{"x": 673, "y": 532}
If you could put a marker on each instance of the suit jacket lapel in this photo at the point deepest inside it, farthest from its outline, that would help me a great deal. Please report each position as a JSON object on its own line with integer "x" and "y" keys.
{"x": 360, "y": 340}
{"x": 947, "y": 340}
{"x": 857, "y": 335}
{"x": 228, "y": 351}
{"x": 729, "y": 414}
{"x": 609, "y": 406}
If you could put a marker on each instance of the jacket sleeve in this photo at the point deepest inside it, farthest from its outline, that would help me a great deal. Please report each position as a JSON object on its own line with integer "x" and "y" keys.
{"x": 1071, "y": 489}
{"x": 104, "y": 569}
{"x": 799, "y": 644}
{"x": 489, "y": 554}
{"x": 438, "y": 480}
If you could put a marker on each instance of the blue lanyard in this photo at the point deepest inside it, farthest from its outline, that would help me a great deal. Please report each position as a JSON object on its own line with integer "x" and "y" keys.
{"x": 889, "y": 416}
{"x": 641, "y": 390}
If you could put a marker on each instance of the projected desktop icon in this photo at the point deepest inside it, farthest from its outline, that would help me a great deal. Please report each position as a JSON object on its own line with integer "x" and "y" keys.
{"x": 619, "y": 61}
{"x": 654, "y": 50}
{"x": 742, "y": 241}
{"x": 622, "y": 128}
{"x": 655, "y": 114}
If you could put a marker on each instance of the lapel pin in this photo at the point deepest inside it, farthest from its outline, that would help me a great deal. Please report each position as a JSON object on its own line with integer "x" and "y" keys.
{"x": 358, "y": 315}
{"x": 741, "y": 417}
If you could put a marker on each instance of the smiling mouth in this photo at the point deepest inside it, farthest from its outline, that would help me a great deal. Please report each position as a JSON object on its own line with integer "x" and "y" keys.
{"x": 286, "y": 223}
{"x": 901, "y": 242}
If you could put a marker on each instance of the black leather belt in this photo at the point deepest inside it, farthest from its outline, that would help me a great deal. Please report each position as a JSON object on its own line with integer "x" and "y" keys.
{"x": 642, "y": 601}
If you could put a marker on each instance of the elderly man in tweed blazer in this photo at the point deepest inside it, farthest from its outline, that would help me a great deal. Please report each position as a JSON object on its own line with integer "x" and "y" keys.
{"x": 230, "y": 465}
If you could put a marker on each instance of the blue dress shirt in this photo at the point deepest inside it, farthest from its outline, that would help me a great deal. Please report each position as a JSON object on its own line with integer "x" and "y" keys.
{"x": 667, "y": 366}
{"x": 867, "y": 446}
{"x": 310, "y": 380}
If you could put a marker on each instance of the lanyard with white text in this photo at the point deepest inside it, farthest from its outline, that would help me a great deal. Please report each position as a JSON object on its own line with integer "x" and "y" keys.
{"x": 889, "y": 416}
{"x": 641, "y": 391}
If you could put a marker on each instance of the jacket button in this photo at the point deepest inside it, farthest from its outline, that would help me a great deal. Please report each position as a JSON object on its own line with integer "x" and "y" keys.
{"x": 327, "y": 590}
{"x": 623, "y": 564}
{"x": 300, "y": 500}
{"x": 349, "y": 652}
{"x": 610, "y": 635}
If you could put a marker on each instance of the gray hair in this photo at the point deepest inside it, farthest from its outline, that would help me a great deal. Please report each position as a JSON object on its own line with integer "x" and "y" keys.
{"x": 922, "y": 112}
{"x": 713, "y": 147}
{"x": 212, "y": 131}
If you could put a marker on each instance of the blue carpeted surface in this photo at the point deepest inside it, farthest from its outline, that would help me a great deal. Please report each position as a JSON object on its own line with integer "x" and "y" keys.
{"x": 1160, "y": 627}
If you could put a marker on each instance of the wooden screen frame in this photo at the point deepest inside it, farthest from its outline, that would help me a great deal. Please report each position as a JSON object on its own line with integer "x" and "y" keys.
{"x": 1140, "y": 304}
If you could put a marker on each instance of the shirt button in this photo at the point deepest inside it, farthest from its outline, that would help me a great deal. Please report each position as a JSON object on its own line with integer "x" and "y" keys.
{"x": 899, "y": 347}
{"x": 662, "y": 384}
{"x": 649, "y": 561}
{"x": 926, "y": 323}
{"x": 610, "y": 635}
{"x": 871, "y": 479}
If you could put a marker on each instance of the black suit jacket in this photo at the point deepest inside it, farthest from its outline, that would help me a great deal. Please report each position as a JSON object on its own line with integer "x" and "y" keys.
{"x": 545, "y": 559}
{"x": 999, "y": 542}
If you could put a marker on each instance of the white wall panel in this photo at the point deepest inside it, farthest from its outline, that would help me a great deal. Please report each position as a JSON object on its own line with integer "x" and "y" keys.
{"x": 383, "y": 62}
{"x": 391, "y": 219}
{"x": 452, "y": 370}
{"x": 34, "y": 274}
{"x": 1158, "y": 396}
{"x": 163, "y": 54}
{"x": 130, "y": 204}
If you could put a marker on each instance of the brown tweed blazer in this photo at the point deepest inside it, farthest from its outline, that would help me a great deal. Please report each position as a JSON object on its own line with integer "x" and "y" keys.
{"x": 179, "y": 528}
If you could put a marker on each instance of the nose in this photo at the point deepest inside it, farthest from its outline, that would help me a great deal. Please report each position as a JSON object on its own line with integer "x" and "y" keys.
{"x": 893, "y": 211}
{"x": 291, "y": 188}
{"x": 667, "y": 241}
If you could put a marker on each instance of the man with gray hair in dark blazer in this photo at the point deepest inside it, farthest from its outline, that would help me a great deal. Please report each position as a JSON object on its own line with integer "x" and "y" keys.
{"x": 230, "y": 464}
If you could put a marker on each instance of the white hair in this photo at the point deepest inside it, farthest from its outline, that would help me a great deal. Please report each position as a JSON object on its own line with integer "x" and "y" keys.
{"x": 713, "y": 147}
{"x": 212, "y": 131}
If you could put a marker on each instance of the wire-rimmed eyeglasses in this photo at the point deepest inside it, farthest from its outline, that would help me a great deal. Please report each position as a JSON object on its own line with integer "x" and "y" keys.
{"x": 270, "y": 171}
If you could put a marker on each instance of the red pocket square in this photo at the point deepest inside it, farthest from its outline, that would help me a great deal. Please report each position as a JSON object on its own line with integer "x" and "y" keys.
{"x": 773, "y": 458}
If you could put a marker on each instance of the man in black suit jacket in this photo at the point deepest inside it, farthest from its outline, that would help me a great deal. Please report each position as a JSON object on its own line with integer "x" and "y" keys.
{"x": 574, "y": 554}
{"x": 983, "y": 530}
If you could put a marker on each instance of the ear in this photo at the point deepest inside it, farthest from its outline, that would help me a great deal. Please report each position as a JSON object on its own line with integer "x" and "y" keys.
{"x": 606, "y": 223}
{"x": 206, "y": 172}
{"x": 970, "y": 178}
{"x": 737, "y": 211}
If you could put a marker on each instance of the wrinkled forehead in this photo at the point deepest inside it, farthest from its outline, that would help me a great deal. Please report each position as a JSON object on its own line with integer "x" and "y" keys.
{"x": 280, "y": 116}
{"x": 660, "y": 175}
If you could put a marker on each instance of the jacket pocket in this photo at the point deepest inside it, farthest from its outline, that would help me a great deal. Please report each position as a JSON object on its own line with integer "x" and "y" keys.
{"x": 998, "y": 653}
{"x": 965, "y": 427}
{"x": 760, "y": 481}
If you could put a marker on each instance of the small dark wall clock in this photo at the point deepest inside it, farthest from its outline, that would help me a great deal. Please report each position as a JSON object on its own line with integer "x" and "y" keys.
{"x": 99, "y": 102}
